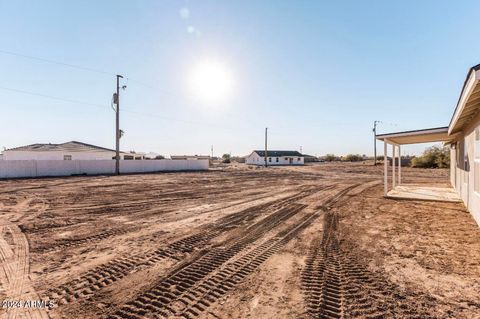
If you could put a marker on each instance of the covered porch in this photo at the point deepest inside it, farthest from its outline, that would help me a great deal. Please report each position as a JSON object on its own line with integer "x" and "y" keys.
{"x": 410, "y": 191}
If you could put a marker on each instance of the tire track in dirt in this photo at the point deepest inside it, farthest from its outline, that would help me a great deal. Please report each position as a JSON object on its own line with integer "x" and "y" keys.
{"x": 177, "y": 287}
{"x": 337, "y": 285}
{"x": 15, "y": 280}
{"x": 229, "y": 276}
{"x": 191, "y": 289}
{"x": 104, "y": 275}
{"x": 70, "y": 243}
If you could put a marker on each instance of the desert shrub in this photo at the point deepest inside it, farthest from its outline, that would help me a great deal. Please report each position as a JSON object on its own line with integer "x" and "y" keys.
{"x": 330, "y": 157}
{"x": 226, "y": 158}
{"x": 353, "y": 158}
{"x": 433, "y": 157}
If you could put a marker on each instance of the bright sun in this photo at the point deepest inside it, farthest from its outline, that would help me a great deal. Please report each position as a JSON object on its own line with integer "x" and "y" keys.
{"x": 211, "y": 82}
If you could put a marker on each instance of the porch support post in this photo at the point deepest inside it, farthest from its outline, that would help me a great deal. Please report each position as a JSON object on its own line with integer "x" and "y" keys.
{"x": 393, "y": 166}
{"x": 399, "y": 165}
{"x": 385, "y": 168}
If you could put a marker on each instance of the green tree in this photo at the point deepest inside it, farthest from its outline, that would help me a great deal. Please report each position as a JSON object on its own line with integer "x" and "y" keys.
{"x": 226, "y": 158}
{"x": 433, "y": 157}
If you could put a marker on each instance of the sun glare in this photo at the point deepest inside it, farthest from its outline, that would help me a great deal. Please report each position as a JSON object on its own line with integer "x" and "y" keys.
{"x": 211, "y": 82}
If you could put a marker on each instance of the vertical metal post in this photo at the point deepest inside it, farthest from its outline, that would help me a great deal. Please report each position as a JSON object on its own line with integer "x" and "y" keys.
{"x": 399, "y": 165}
{"x": 266, "y": 132}
{"x": 375, "y": 143}
{"x": 385, "y": 168}
{"x": 393, "y": 166}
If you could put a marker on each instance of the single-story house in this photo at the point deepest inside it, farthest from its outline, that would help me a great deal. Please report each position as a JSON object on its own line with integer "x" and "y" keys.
{"x": 65, "y": 151}
{"x": 463, "y": 137}
{"x": 275, "y": 158}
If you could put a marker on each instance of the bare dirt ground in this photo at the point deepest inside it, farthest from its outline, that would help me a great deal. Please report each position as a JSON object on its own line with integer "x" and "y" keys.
{"x": 317, "y": 241}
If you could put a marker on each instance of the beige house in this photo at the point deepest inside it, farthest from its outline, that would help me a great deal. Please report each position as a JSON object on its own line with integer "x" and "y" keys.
{"x": 463, "y": 137}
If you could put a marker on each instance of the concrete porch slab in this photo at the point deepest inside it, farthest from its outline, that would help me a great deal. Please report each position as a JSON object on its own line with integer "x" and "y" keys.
{"x": 421, "y": 192}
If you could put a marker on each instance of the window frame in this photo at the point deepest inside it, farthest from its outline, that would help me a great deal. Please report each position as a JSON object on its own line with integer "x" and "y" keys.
{"x": 67, "y": 157}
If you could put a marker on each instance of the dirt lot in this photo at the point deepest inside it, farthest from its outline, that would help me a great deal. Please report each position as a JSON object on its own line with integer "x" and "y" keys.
{"x": 316, "y": 241}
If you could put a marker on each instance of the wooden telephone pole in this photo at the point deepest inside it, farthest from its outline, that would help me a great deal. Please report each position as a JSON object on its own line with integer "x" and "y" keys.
{"x": 117, "y": 126}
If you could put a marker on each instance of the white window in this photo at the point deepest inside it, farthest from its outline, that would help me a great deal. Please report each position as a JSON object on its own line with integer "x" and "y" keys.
{"x": 67, "y": 157}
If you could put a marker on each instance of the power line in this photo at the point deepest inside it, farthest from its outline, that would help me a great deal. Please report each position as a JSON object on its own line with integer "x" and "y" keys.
{"x": 51, "y": 97}
{"x": 124, "y": 110}
{"x": 56, "y": 62}
{"x": 89, "y": 69}
{"x": 127, "y": 110}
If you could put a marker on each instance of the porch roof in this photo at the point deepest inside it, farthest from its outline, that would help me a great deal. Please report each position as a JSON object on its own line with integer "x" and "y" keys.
{"x": 438, "y": 134}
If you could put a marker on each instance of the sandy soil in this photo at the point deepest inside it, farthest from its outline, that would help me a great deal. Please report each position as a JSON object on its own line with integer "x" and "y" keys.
{"x": 317, "y": 241}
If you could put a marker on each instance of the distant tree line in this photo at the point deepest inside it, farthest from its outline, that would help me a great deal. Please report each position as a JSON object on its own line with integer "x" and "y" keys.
{"x": 346, "y": 158}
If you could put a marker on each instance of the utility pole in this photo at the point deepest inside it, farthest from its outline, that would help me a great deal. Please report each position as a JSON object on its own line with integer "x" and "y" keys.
{"x": 266, "y": 133}
{"x": 212, "y": 152}
{"x": 117, "y": 126}
{"x": 375, "y": 142}
{"x": 301, "y": 150}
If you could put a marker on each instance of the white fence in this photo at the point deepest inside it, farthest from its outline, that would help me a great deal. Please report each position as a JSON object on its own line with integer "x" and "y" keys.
{"x": 15, "y": 169}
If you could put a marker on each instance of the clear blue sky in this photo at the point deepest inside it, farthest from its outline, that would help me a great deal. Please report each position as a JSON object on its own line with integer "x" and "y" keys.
{"x": 317, "y": 73}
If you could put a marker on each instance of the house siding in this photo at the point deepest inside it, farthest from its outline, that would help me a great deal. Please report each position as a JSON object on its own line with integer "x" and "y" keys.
{"x": 463, "y": 172}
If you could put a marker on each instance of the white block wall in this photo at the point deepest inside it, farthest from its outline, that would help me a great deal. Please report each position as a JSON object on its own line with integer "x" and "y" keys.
{"x": 16, "y": 169}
